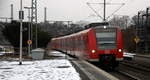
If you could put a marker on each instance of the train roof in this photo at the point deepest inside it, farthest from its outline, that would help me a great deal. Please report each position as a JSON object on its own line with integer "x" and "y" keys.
{"x": 74, "y": 34}
{"x": 89, "y": 27}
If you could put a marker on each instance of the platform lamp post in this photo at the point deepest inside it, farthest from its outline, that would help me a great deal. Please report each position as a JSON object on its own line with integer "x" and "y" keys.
{"x": 21, "y": 15}
{"x": 29, "y": 30}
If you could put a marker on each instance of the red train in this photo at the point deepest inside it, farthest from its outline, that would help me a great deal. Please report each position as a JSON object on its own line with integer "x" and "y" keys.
{"x": 102, "y": 44}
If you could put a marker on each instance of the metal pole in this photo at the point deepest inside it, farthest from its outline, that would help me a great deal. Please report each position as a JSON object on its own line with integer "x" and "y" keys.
{"x": 146, "y": 23}
{"x": 142, "y": 27}
{"x": 138, "y": 18}
{"x": 104, "y": 10}
{"x": 137, "y": 30}
{"x": 32, "y": 17}
{"x": 34, "y": 20}
{"x": 20, "y": 58}
{"x": 45, "y": 14}
{"x": 29, "y": 33}
{"x": 11, "y": 12}
{"x": 126, "y": 23}
{"x": 142, "y": 21}
{"x": 36, "y": 25}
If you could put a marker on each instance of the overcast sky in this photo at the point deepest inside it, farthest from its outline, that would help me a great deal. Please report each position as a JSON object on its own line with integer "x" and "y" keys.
{"x": 74, "y": 10}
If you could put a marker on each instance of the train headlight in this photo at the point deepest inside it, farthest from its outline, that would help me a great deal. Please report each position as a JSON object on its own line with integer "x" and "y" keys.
{"x": 93, "y": 51}
{"x": 120, "y": 50}
{"x": 105, "y": 27}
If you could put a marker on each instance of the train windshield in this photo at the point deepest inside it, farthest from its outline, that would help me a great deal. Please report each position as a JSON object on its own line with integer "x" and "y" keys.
{"x": 106, "y": 38}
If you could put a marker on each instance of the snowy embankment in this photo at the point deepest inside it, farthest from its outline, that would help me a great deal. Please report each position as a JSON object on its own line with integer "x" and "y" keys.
{"x": 38, "y": 70}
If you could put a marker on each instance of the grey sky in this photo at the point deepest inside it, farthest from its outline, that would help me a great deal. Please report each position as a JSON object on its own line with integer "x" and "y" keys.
{"x": 75, "y": 10}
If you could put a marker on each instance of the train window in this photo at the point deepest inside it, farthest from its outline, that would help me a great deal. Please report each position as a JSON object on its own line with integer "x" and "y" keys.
{"x": 105, "y": 34}
{"x": 106, "y": 39}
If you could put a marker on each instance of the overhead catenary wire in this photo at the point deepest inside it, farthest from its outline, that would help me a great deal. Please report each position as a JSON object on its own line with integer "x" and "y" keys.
{"x": 94, "y": 11}
{"x": 106, "y": 3}
{"x": 116, "y": 11}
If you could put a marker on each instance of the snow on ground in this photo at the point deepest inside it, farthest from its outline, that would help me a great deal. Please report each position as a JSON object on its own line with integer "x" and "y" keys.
{"x": 38, "y": 70}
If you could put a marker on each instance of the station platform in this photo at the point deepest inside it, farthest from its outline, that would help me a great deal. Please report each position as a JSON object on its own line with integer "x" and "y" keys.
{"x": 86, "y": 70}
{"x": 57, "y": 66}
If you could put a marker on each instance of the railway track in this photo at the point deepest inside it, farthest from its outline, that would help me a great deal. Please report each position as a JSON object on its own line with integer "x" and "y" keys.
{"x": 136, "y": 66}
{"x": 123, "y": 75}
{"x": 143, "y": 61}
{"x": 118, "y": 73}
{"x": 127, "y": 71}
{"x": 135, "y": 71}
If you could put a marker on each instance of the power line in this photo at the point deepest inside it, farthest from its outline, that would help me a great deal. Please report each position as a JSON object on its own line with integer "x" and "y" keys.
{"x": 116, "y": 10}
{"x": 108, "y": 3}
{"x": 94, "y": 11}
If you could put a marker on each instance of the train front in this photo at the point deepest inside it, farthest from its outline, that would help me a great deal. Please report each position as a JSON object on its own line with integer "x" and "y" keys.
{"x": 108, "y": 46}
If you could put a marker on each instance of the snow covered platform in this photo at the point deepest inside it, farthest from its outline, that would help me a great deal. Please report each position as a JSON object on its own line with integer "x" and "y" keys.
{"x": 53, "y": 69}
{"x": 58, "y": 67}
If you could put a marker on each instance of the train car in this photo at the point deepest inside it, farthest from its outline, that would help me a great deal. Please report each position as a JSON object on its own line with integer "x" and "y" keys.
{"x": 101, "y": 44}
